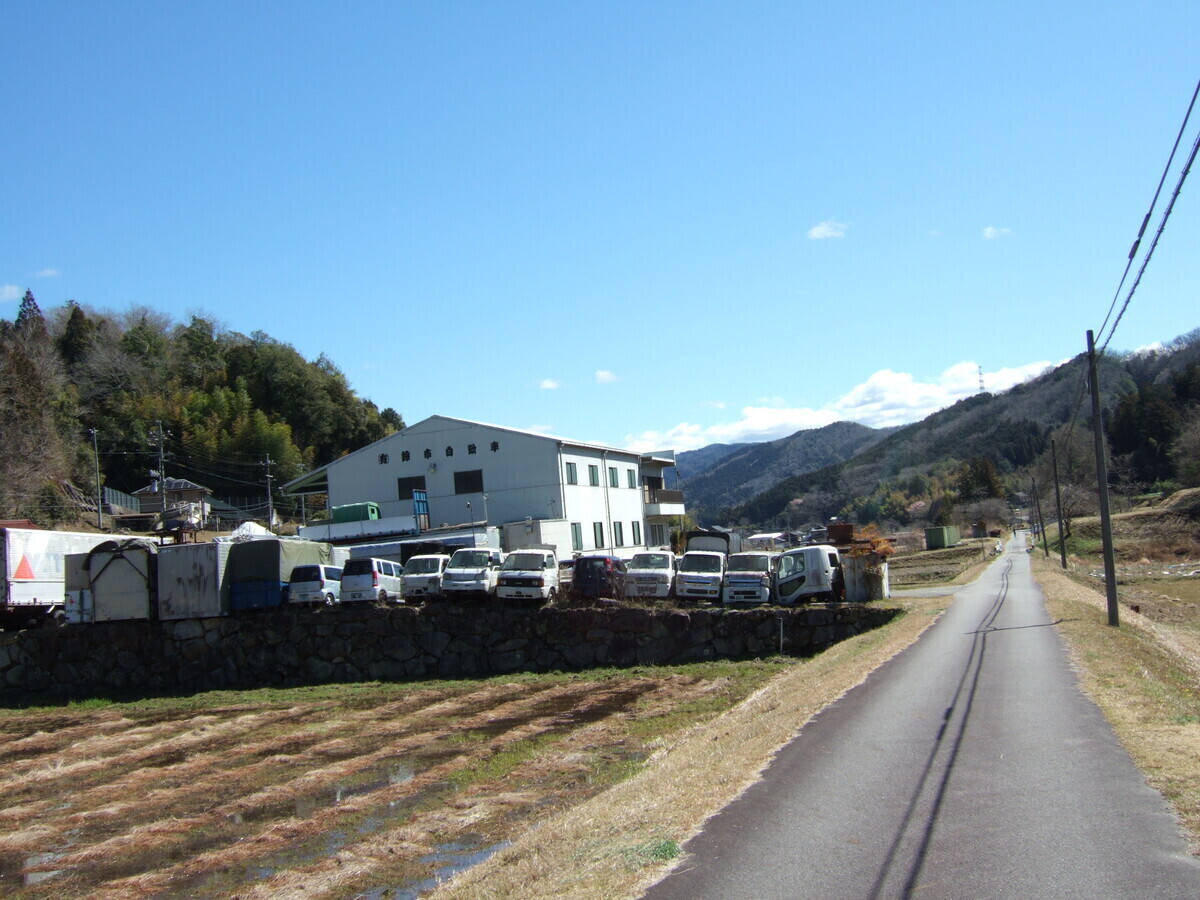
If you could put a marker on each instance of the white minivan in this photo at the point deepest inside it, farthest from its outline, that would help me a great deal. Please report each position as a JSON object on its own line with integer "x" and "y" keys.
{"x": 315, "y": 584}
{"x": 371, "y": 579}
{"x": 472, "y": 571}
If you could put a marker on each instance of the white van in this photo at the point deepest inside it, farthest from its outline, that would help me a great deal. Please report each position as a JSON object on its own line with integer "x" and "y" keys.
{"x": 371, "y": 579}
{"x": 749, "y": 578}
{"x": 701, "y": 574}
{"x": 423, "y": 575}
{"x": 529, "y": 574}
{"x": 472, "y": 570}
{"x": 809, "y": 573}
{"x": 651, "y": 574}
{"x": 315, "y": 584}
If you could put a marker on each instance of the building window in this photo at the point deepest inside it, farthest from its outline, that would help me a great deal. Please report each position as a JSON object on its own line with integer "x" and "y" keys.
{"x": 598, "y": 534}
{"x": 469, "y": 482}
{"x": 632, "y": 478}
{"x": 495, "y": 446}
{"x": 404, "y": 456}
{"x": 470, "y": 449}
{"x": 613, "y": 480}
{"x": 658, "y": 535}
{"x": 637, "y": 532}
{"x": 383, "y": 459}
{"x": 406, "y": 486}
{"x": 572, "y": 474}
{"x": 594, "y": 476}
{"x": 576, "y": 535}
{"x": 428, "y": 453}
{"x": 618, "y": 534}
{"x": 449, "y": 451}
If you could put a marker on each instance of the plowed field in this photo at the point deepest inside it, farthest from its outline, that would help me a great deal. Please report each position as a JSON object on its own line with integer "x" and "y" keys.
{"x": 367, "y": 790}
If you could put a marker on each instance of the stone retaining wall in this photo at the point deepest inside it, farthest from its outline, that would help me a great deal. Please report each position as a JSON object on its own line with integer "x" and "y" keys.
{"x": 291, "y": 646}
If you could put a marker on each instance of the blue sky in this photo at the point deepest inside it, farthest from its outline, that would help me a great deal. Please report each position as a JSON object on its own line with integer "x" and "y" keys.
{"x": 655, "y": 225}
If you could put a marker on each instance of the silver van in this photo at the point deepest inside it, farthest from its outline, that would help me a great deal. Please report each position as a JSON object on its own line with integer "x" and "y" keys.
{"x": 371, "y": 579}
{"x": 315, "y": 584}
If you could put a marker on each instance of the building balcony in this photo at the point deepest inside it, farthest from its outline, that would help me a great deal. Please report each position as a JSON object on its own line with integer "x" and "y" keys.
{"x": 662, "y": 502}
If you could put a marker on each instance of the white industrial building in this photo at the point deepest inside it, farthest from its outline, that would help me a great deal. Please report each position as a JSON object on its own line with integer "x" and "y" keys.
{"x": 536, "y": 488}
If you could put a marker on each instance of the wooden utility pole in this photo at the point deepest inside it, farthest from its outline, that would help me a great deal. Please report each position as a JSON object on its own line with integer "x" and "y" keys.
{"x": 1062, "y": 536}
{"x": 1110, "y": 568}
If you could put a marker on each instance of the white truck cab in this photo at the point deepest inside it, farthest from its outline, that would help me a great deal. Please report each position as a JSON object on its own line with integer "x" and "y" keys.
{"x": 528, "y": 574}
{"x": 749, "y": 578}
{"x": 472, "y": 570}
{"x": 423, "y": 575}
{"x": 809, "y": 573}
{"x": 650, "y": 574}
{"x": 701, "y": 574}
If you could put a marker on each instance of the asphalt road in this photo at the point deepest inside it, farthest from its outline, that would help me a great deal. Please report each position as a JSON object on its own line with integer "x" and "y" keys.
{"x": 968, "y": 766}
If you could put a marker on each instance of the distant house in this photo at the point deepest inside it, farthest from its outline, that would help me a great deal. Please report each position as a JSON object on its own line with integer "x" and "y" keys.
{"x": 176, "y": 492}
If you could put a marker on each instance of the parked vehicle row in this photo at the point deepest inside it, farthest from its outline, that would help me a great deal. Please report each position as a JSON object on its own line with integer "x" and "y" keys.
{"x": 751, "y": 577}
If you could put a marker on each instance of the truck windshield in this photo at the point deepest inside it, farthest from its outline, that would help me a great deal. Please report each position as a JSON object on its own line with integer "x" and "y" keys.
{"x": 419, "y": 566}
{"x": 523, "y": 561}
{"x": 650, "y": 561}
{"x": 749, "y": 563}
{"x": 469, "y": 559}
{"x": 700, "y": 563}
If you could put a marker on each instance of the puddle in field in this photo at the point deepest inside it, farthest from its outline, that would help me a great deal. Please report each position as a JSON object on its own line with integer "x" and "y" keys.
{"x": 29, "y": 879}
{"x": 328, "y": 844}
{"x": 448, "y": 860}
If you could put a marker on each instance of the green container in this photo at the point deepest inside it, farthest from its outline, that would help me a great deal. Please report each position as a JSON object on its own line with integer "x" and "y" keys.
{"x": 356, "y": 512}
{"x": 941, "y": 537}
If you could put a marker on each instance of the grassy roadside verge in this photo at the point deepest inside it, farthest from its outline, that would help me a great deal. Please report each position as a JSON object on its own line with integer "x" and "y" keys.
{"x": 1144, "y": 682}
{"x": 623, "y": 840}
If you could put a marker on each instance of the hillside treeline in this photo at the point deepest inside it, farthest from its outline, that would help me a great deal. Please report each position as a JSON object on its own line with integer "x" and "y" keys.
{"x": 972, "y": 460}
{"x": 72, "y": 380}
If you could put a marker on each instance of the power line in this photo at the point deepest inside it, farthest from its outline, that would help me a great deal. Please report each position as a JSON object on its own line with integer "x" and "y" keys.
{"x": 1083, "y": 384}
{"x": 1157, "y": 235}
{"x": 1146, "y": 219}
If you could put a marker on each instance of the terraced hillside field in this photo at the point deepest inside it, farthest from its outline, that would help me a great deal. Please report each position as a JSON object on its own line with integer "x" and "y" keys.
{"x": 371, "y": 790}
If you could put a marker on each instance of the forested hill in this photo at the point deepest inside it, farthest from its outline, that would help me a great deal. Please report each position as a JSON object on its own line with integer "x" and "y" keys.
{"x": 226, "y": 403}
{"x": 735, "y": 472}
{"x": 990, "y": 446}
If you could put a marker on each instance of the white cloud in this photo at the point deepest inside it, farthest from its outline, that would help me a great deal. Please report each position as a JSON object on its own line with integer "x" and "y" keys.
{"x": 9, "y": 292}
{"x": 992, "y": 232}
{"x": 549, "y": 384}
{"x": 827, "y": 229}
{"x": 885, "y": 399}
{"x": 714, "y": 404}
{"x": 605, "y": 377}
{"x": 48, "y": 273}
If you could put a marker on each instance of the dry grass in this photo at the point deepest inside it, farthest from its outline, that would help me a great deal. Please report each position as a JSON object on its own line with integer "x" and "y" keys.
{"x": 331, "y": 791}
{"x": 1144, "y": 676}
{"x": 619, "y": 842}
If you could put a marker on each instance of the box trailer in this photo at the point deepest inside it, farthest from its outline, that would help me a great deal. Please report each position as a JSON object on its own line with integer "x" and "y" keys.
{"x": 192, "y": 582}
{"x": 32, "y": 562}
{"x": 117, "y": 579}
